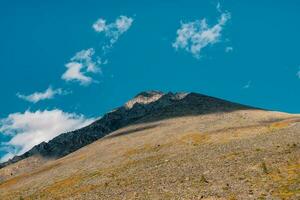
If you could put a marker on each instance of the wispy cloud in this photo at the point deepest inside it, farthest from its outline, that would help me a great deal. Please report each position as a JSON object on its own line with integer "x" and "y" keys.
{"x": 248, "y": 85}
{"x": 85, "y": 63}
{"x": 31, "y": 128}
{"x": 85, "y": 57}
{"x": 196, "y": 35}
{"x": 113, "y": 30}
{"x": 298, "y": 73}
{"x": 74, "y": 73}
{"x": 218, "y": 7}
{"x": 39, "y": 96}
{"x": 81, "y": 66}
{"x": 228, "y": 49}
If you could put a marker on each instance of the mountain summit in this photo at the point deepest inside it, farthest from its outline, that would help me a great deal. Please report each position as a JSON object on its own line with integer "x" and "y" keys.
{"x": 144, "y": 107}
{"x": 144, "y": 98}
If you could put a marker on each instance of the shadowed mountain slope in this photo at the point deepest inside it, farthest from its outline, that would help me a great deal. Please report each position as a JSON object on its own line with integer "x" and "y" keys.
{"x": 147, "y": 106}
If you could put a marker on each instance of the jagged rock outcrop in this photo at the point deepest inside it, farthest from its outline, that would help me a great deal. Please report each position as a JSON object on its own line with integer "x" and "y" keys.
{"x": 145, "y": 107}
{"x": 144, "y": 98}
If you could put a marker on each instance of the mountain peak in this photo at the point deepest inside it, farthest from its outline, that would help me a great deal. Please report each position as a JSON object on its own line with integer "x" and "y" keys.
{"x": 151, "y": 96}
{"x": 149, "y": 93}
{"x": 145, "y": 97}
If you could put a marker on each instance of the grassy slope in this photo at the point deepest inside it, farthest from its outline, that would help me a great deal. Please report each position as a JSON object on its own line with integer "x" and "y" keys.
{"x": 238, "y": 155}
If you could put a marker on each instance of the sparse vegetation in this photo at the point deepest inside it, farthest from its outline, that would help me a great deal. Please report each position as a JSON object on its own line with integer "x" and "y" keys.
{"x": 264, "y": 168}
{"x": 203, "y": 179}
{"x": 222, "y": 159}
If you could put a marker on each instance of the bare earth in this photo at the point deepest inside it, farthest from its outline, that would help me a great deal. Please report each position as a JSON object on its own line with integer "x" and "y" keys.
{"x": 245, "y": 154}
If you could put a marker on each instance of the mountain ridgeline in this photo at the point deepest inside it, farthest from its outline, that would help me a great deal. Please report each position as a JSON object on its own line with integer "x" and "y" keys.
{"x": 147, "y": 106}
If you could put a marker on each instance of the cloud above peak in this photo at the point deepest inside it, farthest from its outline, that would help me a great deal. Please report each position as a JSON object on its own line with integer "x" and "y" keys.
{"x": 114, "y": 30}
{"x": 49, "y": 93}
{"x": 81, "y": 66}
{"x": 74, "y": 73}
{"x": 31, "y": 128}
{"x": 196, "y": 35}
{"x": 85, "y": 57}
{"x": 87, "y": 62}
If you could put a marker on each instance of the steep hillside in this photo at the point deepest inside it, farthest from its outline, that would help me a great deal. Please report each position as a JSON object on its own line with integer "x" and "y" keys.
{"x": 167, "y": 146}
{"x": 146, "y": 106}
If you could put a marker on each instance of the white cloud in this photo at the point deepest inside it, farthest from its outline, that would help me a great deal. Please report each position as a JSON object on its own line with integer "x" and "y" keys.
{"x": 196, "y": 35}
{"x": 81, "y": 64}
{"x": 85, "y": 57}
{"x": 99, "y": 25}
{"x": 74, "y": 73}
{"x": 228, "y": 49}
{"x": 39, "y": 96}
{"x": 6, "y": 157}
{"x": 85, "y": 62}
{"x": 31, "y": 128}
{"x": 298, "y": 73}
{"x": 113, "y": 30}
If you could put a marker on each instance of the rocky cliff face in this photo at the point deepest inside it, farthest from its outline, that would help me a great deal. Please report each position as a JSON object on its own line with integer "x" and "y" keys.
{"x": 145, "y": 107}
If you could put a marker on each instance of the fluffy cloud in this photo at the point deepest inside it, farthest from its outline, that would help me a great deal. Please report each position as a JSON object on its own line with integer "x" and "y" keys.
{"x": 74, "y": 73}
{"x": 100, "y": 25}
{"x": 113, "y": 30}
{"x": 196, "y": 35}
{"x": 85, "y": 57}
{"x": 80, "y": 65}
{"x": 39, "y": 96}
{"x": 31, "y": 128}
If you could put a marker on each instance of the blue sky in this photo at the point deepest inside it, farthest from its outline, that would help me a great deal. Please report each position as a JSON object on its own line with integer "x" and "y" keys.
{"x": 244, "y": 51}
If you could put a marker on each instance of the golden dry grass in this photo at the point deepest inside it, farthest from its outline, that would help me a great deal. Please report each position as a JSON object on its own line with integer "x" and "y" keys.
{"x": 217, "y": 156}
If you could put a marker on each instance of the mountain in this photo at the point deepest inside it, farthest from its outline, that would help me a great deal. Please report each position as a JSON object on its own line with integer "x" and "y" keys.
{"x": 146, "y": 106}
{"x": 165, "y": 146}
